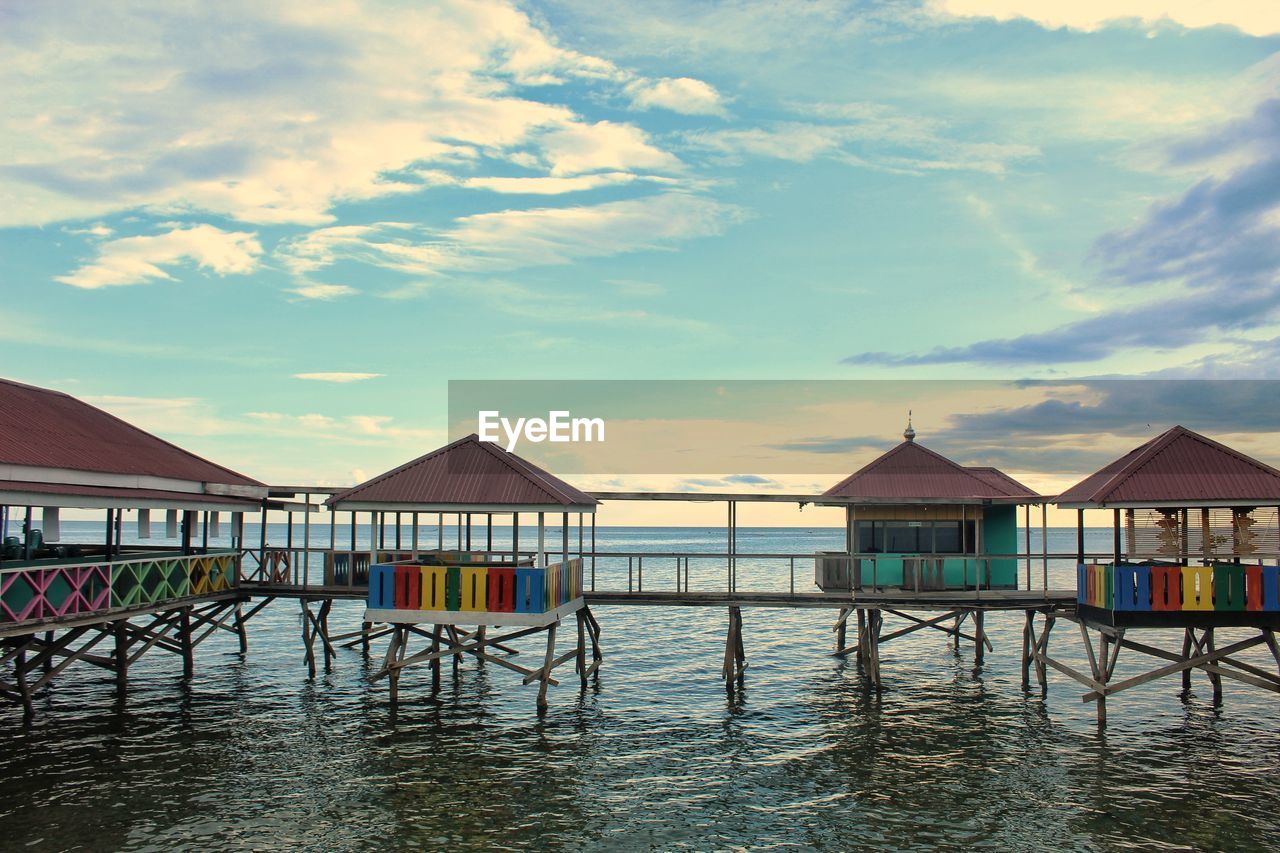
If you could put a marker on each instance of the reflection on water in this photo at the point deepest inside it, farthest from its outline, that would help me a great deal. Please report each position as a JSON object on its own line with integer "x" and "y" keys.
{"x": 655, "y": 755}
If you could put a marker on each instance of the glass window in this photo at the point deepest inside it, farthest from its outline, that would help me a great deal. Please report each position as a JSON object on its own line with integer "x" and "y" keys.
{"x": 947, "y": 535}
{"x": 902, "y": 537}
{"x": 870, "y": 537}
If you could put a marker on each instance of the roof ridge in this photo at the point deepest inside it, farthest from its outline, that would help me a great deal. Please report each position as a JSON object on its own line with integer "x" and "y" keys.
{"x": 529, "y": 470}
{"x": 1145, "y": 454}
{"x": 405, "y": 466}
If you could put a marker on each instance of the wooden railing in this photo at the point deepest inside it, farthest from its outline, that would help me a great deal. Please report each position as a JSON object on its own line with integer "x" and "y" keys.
{"x": 31, "y": 594}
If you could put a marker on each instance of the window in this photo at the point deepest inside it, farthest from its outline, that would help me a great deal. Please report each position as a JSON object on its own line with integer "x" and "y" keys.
{"x": 916, "y": 537}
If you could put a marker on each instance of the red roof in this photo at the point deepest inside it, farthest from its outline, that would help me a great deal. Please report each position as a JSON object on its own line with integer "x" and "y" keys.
{"x": 1178, "y": 466}
{"x": 468, "y": 472}
{"x": 48, "y": 429}
{"x": 913, "y": 472}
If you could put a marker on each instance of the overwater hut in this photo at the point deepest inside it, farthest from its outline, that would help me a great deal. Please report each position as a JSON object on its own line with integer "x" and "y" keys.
{"x": 917, "y": 520}
{"x": 59, "y": 453}
{"x": 1193, "y": 521}
{"x": 512, "y": 586}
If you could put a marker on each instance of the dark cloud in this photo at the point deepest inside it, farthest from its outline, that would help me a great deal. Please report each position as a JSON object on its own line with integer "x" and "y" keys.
{"x": 1220, "y": 239}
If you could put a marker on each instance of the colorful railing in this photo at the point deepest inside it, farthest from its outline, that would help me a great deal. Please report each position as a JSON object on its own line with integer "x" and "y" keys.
{"x": 44, "y": 592}
{"x": 351, "y": 568}
{"x": 1141, "y": 587}
{"x": 479, "y": 589}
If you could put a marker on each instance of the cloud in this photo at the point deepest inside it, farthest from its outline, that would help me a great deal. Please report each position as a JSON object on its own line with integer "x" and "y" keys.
{"x": 134, "y": 260}
{"x": 299, "y": 107}
{"x": 579, "y": 148}
{"x": 866, "y": 135}
{"x": 1211, "y": 256}
{"x": 549, "y": 185}
{"x": 337, "y": 377}
{"x": 678, "y": 94}
{"x": 322, "y": 292}
{"x": 1249, "y": 16}
{"x": 513, "y": 239}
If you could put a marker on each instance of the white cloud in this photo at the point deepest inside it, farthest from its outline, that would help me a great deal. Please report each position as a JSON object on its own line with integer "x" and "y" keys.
{"x": 678, "y": 94}
{"x": 878, "y": 136}
{"x": 181, "y": 415}
{"x": 512, "y": 239}
{"x": 549, "y": 185}
{"x": 297, "y": 108}
{"x": 579, "y": 148}
{"x": 1250, "y": 16}
{"x": 322, "y": 292}
{"x": 133, "y": 260}
{"x": 339, "y": 377}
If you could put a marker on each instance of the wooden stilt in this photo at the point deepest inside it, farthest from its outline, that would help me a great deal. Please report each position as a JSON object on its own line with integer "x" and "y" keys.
{"x": 1186, "y": 653}
{"x": 841, "y": 628}
{"x": 188, "y": 658}
{"x": 1026, "y": 647}
{"x": 980, "y": 635}
{"x": 547, "y": 665}
{"x": 308, "y": 639}
{"x": 118, "y": 630}
{"x": 1214, "y": 678}
{"x": 581, "y": 664}
{"x": 394, "y": 655}
{"x": 322, "y": 628}
{"x": 240, "y": 630}
{"x": 435, "y": 662}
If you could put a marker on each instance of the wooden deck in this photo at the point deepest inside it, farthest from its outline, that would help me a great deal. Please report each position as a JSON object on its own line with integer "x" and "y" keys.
{"x": 1001, "y": 599}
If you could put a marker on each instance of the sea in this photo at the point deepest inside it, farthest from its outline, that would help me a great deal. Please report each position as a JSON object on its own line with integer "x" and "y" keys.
{"x": 656, "y": 753}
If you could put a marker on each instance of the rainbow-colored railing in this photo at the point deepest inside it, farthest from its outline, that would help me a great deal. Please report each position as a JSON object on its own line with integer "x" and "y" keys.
{"x": 34, "y": 593}
{"x": 478, "y": 589}
{"x": 1156, "y": 587}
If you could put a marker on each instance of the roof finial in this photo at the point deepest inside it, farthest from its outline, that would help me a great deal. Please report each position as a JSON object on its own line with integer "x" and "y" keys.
{"x": 909, "y": 434}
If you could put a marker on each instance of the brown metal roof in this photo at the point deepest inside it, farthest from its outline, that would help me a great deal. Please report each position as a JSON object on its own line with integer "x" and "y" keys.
{"x": 96, "y": 495}
{"x": 913, "y": 472}
{"x": 1178, "y": 466}
{"x": 49, "y": 429}
{"x": 468, "y": 472}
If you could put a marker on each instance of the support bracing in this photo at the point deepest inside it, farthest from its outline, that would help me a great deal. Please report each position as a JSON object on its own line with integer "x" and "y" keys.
{"x": 39, "y": 657}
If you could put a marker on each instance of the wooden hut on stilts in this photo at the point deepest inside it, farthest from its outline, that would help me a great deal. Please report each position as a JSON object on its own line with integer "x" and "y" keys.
{"x": 450, "y": 599}
{"x": 1194, "y": 525}
{"x": 923, "y": 532}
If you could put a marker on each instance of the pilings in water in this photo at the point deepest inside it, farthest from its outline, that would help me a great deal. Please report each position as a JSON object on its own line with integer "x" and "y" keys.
{"x": 735, "y": 656}
{"x": 36, "y": 658}
{"x": 1199, "y": 651}
{"x": 315, "y": 626}
{"x": 455, "y": 641}
{"x": 870, "y": 633}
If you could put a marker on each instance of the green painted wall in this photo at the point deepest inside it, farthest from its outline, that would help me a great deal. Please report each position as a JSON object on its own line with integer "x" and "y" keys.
{"x": 999, "y": 536}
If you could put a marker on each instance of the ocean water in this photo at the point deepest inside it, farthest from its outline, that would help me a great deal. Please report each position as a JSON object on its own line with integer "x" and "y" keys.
{"x": 655, "y": 754}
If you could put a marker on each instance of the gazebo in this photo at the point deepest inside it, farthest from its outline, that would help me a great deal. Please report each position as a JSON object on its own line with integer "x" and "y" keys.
{"x": 917, "y": 520}
{"x": 1192, "y": 523}
{"x": 521, "y": 589}
{"x": 59, "y": 453}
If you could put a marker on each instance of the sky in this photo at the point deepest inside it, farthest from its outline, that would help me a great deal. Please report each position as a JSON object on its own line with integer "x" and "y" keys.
{"x": 274, "y": 232}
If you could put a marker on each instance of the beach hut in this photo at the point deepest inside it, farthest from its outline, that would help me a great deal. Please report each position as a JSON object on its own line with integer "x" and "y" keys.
{"x": 1193, "y": 521}
{"x": 59, "y": 453}
{"x": 915, "y": 519}
{"x": 1194, "y": 524}
{"x": 529, "y": 590}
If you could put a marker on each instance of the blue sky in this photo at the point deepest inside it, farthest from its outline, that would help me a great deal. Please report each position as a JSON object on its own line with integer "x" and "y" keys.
{"x": 272, "y": 232}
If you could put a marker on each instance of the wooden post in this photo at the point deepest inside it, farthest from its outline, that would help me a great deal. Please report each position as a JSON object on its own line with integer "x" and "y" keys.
{"x": 979, "y": 637}
{"x": 841, "y": 628}
{"x": 435, "y": 662}
{"x": 582, "y": 648}
{"x": 1186, "y": 653}
{"x": 1026, "y": 632}
{"x": 241, "y": 633}
{"x": 308, "y": 638}
{"x": 1214, "y": 678}
{"x": 188, "y": 659}
{"x": 546, "y": 666}
{"x": 121, "y": 656}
